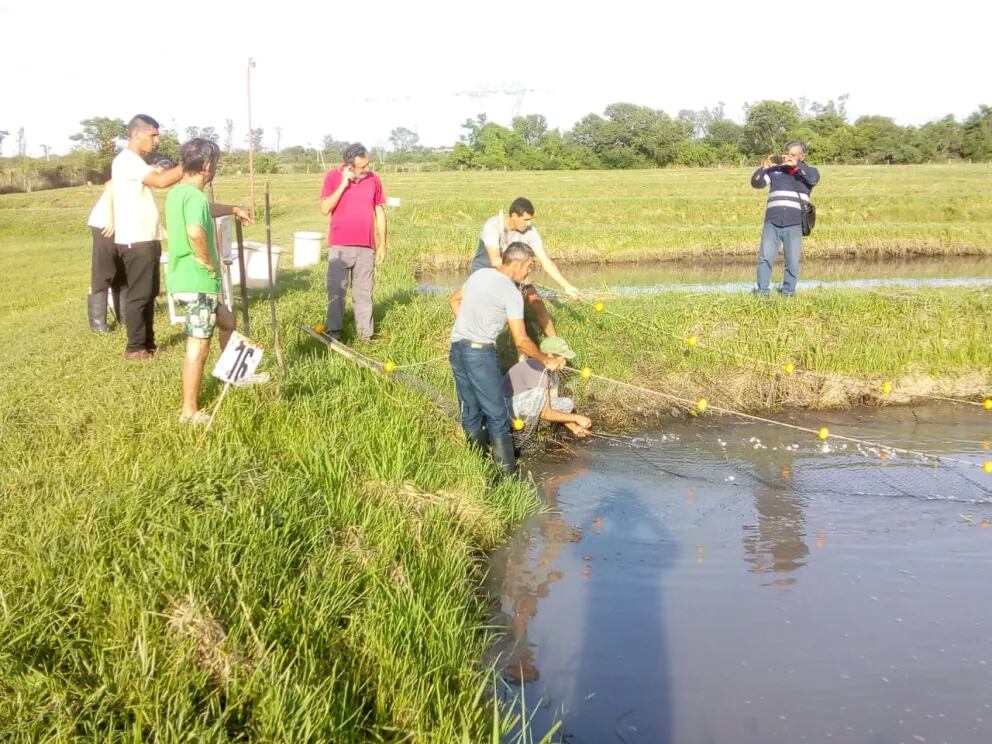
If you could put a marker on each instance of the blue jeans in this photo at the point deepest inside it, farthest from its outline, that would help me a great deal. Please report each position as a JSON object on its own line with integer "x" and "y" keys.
{"x": 479, "y": 386}
{"x": 791, "y": 240}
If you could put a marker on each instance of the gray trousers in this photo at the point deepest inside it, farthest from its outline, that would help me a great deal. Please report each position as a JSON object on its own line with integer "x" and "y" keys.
{"x": 791, "y": 240}
{"x": 358, "y": 263}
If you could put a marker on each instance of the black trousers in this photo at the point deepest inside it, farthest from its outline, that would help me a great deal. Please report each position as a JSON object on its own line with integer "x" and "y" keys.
{"x": 142, "y": 272}
{"x": 107, "y": 270}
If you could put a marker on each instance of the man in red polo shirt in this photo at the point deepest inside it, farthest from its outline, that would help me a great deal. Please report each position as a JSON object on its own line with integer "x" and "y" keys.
{"x": 353, "y": 197}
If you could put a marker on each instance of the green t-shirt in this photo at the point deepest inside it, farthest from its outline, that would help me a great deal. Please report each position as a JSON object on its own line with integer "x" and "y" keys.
{"x": 186, "y": 205}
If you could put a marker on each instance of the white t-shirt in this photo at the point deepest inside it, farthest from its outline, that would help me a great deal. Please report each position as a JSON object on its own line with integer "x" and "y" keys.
{"x": 100, "y": 214}
{"x": 489, "y": 299}
{"x": 136, "y": 217}
{"x": 494, "y": 232}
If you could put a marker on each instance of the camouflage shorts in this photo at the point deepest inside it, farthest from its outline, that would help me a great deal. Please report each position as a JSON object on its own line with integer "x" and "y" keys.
{"x": 200, "y": 311}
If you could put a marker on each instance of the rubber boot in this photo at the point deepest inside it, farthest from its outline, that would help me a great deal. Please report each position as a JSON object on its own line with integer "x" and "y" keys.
{"x": 479, "y": 439}
{"x": 504, "y": 456}
{"x": 120, "y": 297}
{"x": 96, "y": 310}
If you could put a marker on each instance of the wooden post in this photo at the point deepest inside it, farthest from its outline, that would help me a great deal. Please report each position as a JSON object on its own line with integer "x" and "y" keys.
{"x": 244, "y": 278}
{"x": 272, "y": 296}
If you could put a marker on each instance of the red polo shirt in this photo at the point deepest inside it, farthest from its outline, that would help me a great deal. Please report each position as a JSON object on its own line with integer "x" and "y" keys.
{"x": 353, "y": 219}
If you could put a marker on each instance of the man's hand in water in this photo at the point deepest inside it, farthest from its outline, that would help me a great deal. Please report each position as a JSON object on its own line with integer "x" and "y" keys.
{"x": 572, "y": 292}
{"x": 580, "y": 427}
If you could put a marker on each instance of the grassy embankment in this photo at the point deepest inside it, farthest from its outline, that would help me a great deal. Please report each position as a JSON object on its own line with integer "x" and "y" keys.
{"x": 309, "y": 569}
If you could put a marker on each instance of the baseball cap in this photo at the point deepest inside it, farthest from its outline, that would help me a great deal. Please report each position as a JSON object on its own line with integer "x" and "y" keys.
{"x": 558, "y": 346}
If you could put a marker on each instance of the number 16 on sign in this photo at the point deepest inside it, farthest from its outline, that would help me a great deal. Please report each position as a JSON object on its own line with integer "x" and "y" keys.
{"x": 236, "y": 366}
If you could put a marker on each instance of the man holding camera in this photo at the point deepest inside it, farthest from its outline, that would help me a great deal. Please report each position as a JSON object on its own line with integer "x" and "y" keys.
{"x": 790, "y": 180}
{"x": 353, "y": 198}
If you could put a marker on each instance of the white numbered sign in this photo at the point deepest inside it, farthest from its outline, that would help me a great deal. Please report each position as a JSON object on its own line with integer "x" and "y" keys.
{"x": 239, "y": 361}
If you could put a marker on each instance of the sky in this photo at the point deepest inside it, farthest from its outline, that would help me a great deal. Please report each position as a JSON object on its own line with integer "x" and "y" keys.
{"x": 357, "y": 70}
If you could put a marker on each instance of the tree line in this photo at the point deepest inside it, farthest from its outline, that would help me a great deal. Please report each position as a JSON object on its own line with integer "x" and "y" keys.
{"x": 625, "y": 135}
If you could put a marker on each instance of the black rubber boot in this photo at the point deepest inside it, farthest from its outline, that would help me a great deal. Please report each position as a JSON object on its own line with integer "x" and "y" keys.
{"x": 96, "y": 310}
{"x": 120, "y": 297}
{"x": 479, "y": 439}
{"x": 504, "y": 456}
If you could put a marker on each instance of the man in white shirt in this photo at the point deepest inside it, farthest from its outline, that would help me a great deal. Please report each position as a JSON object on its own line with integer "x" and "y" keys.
{"x": 516, "y": 226}
{"x": 138, "y": 231}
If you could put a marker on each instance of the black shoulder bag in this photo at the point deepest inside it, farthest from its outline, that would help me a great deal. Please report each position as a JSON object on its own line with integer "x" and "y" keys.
{"x": 807, "y": 210}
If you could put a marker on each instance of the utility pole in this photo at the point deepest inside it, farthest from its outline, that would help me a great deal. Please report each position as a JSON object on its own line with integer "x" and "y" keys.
{"x": 251, "y": 145}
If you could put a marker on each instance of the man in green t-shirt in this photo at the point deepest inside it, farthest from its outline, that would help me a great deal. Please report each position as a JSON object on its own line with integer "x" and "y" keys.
{"x": 193, "y": 274}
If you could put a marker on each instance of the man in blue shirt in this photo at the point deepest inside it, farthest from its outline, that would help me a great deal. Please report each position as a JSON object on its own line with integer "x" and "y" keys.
{"x": 790, "y": 183}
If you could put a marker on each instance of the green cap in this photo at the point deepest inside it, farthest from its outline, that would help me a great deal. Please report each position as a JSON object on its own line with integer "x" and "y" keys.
{"x": 558, "y": 346}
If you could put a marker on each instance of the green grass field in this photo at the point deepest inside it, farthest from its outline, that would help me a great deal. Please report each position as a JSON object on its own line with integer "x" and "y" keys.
{"x": 310, "y": 569}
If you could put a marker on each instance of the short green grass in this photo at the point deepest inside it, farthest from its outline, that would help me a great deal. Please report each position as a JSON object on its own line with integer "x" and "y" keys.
{"x": 310, "y": 569}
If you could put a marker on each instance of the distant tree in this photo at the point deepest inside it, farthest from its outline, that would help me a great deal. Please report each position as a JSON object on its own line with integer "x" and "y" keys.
{"x": 531, "y": 128}
{"x": 168, "y": 144}
{"x": 977, "y": 134}
{"x": 207, "y": 133}
{"x": 403, "y": 140}
{"x": 767, "y": 126}
{"x": 256, "y": 138}
{"x": 278, "y": 138}
{"x": 100, "y": 134}
{"x": 472, "y": 128}
{"x": 632, "y": 136}
{"x": 3, "y": 134}
{"x": 942, "y": 139}
{"x": 46, "y": 149}
{"x": 723, "y": 133}
{"x": 22, "y": 143}
{"x": 228, "y": 134}
{"x": 332, "y": 148}
{"x": 266, "y": 162}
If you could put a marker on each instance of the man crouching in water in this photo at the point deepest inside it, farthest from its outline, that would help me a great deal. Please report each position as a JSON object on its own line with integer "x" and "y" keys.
{"x": 487, "y": 302}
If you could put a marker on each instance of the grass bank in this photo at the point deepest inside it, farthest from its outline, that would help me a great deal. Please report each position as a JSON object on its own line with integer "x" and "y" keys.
{"x": 310, "y": 569}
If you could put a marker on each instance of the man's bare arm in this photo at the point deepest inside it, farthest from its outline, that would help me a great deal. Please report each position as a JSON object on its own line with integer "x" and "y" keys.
{"x": 525, "y": 346}
{"x": 163, "y": 179}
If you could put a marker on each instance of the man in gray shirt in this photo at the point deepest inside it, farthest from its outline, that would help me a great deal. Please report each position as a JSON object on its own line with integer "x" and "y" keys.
{"x": 487, "y": 302}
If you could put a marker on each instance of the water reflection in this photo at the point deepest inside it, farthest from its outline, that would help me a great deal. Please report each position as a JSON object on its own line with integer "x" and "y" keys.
{"x": 632, "y": 617}
{"x": 738, "y": 275}
{"x": 775, "y": 543}
{"x": 569, "y": 569}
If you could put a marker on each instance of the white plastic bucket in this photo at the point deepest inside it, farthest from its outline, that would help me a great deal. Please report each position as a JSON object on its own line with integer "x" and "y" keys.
{"x": 306, "y": 248}
{"x": 255, "y": 268}
{"x": 225, "y": 225}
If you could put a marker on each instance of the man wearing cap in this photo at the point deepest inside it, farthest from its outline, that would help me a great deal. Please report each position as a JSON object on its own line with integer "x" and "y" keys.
{"x": 485, "y": 304}
{"x": 531, "y": 394}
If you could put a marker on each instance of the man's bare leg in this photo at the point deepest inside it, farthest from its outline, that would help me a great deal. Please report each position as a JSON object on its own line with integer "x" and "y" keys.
{"x": 532, "y": 298}
{"x": 193, "y": 364}
{"x": 226, "y": 324}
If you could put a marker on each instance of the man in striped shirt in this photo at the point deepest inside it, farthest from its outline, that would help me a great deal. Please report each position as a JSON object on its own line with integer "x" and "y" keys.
{"x": 790, "y": 184}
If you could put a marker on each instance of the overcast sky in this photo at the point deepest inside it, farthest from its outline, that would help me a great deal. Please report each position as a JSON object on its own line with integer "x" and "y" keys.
{"x": 356, "y": 70}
